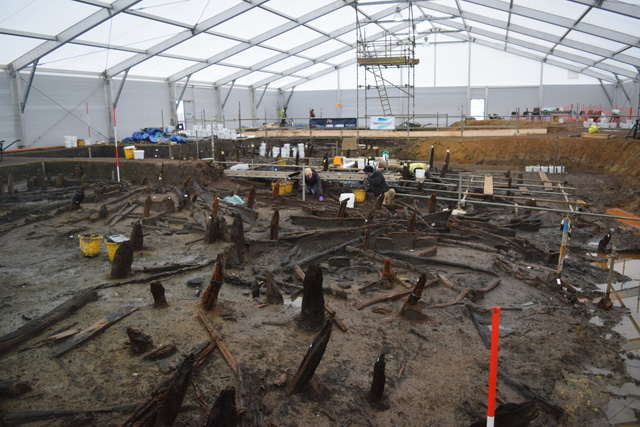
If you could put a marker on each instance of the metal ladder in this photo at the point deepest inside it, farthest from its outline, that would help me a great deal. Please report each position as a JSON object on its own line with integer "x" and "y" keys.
{"x": 376, "y": 70}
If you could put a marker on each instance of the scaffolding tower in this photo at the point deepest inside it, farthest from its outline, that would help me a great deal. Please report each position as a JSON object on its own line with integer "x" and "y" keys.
{"x": 378, "y": 57}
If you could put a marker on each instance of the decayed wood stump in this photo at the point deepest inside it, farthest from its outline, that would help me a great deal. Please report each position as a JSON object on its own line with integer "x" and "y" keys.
{"x": 159, "y": 300}
{"x": 161, "y": 352}
{"x": 414, "y": 296}
{"x": 237, "y": 237}
{"x": 139, "y": 342}
{"x": 171, "y": 404}
{"x": 274, "y": 297}
{"x": 147, "y": 207}
{"x": 137, "y": 238}
{"x": 367, "y": 239}
{"x": 377, "y": 385}
{"x": 312, "y": 313}
{"x": 210, "y": 296}
{"x": 10, "y": 189}
{"x": 214, "y": 206}
{"x": 216, "y": 230}
{"x": 60, "y": 180}
{"x": 223, "y": 413}
{"x": 122, "y": 260}
{"x": 168, "y": 205}
{"x": 433, "y": 203}
{"x": 311, "y": 360}
{"x": 342, "y": 210}
{"x": 411, "y": 224}
{"x": 251, "y": 199}
{"x": 275, "y": 223}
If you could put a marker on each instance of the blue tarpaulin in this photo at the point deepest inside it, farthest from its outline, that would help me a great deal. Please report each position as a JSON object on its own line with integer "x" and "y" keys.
{"x": 154, "y": 135}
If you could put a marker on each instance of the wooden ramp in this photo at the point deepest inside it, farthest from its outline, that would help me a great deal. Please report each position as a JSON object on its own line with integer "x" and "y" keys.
{"x": 488, "y": 185}
{"x": 547, "y": 184}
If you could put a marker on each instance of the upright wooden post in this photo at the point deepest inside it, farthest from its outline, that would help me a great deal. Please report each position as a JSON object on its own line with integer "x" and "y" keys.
{"x": 210, "y": 296}
{"x": 1, "y": 186}
{"x": 10, "y": 184}
{"x": 122, "y": 260}
{"x": 60, "y": 180}
{"x": 445, "y": 167}
{"x": 137, "y": 238}
{"x": 168, "y": 205}
{"x": 377, "y": 385}
{"x": 159, "y": 300}
{"x": 312, "y": 314}
{"x": 251, "y": 199}
{"x": 411, "y": 224}
{"x": 274, "y": 297}
{"x": 415, "y": 295}
{"x": 311, "y": 360}
{"x": 367, "y": 239}
{"x": 214, "y": 206}
{"x": 342, "y": 210}
{"x": 275, "y": 191}
{"x": 139, "y": 342}
{"x": 433, "y": 203}
{"x": 431, "y": 158}
{"x": 237, "y": 237}
{"x": 147, "y": 207}
{"x": 275, "y": 223}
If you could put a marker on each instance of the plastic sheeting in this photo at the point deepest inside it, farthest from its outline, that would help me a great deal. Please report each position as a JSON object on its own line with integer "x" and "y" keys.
{"x": 154, "y": 135}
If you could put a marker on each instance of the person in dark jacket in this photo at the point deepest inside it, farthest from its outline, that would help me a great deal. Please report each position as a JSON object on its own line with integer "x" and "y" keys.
{"x": 378, "y": 185}
{"x": 313, "y": 182}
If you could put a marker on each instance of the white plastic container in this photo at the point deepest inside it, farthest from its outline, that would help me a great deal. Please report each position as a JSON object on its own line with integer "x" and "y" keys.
{"x": 361, "y": 164}
{"x": 138, "y": 154}
{"x": 70, "y": 141}
{"x": 284, "y": 151}
{"x": 263, "y": 149}
{"x": 528, "y": 168}
{"x": 351, "y": 197}
{"x": 544, "y": 168}
{"x": 552, "y": 169}
{"x": 275, "y": 151}
{"x": 301, "y": 149}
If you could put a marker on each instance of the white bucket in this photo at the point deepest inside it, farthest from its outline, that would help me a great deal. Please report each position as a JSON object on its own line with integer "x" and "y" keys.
{"x": 361, "y": 164}
{"x": 544, "y": 168}
{"x": 87, "y": 141}
{"x": 138, "y": 154}
{"x": 528, "y": 168}
{"x": 351, "y": 197}
{"x": 561, "y": 120}
{"x": 263, "y": 149}
{"x": 275, "y": 151}
{"x": 301, "y": 149}
{"x": 294, "y": 152}
{"x": 552, "y": 169}
{"x": 70, "y": 141}
{"x": 284, "y": 151}
{"x": 420, "y": 173}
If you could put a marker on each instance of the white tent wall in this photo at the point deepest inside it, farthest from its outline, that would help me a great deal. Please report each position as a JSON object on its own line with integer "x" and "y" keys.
{"x": 139, "y": 106}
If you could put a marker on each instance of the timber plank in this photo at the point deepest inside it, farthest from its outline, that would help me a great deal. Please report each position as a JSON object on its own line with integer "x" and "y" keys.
{"x": 545, "y": 180}
{"x": 488, "y": 185}
{"x": 94, "y": 329}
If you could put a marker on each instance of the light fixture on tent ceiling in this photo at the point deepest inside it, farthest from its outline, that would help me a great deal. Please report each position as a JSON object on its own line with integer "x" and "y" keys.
{"x": 397, "y": 16}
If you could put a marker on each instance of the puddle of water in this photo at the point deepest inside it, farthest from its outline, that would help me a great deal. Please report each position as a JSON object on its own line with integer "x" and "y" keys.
{"x": 596, "y": 321}
{"x": 597, "y": 371}
{"x": 621, "y": 411}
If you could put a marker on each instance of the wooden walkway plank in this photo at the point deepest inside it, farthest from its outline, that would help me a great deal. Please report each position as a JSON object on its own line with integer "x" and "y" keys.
{"x": 488, "y": 185}
{"x": 545, "y": 180}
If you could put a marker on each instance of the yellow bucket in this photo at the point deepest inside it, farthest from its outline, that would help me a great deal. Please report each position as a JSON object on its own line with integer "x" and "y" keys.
{"x": 288, "y": 186}
{"x": 281, "y": 189}
{"x": 111, "y": 249}
{"x": 90, "y": 244}
{"x": 282, "y": 162}
{"x": 360, "y": 195}
{"x": 128, "y": 152}
{"x": 81, "y": 143}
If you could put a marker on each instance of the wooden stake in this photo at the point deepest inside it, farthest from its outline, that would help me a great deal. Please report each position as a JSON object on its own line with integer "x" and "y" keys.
{"x": 312, "y": 314}
{"x": 275, "y": 220}
{"x": 210, "y": 296}
{"x": 342, "y": 210}
{"x": 274, "y": 297}
{"x": 168, "y": 205}
{"x": 159, "y": 300}
{"x": 122, "y": 260}
{"x": 311, "y": 360}
{"x": 367, "y": 239}
{"x": 237, "y": 237}
{"x": 275, "y": 192}
{"x": 170, "y": 407}
{"x": 10, "y": 184}
{"x": 251, "y": 199}
{"x": 147, "y": 207}
{"x": 1, "y": 186}
{"x": 415, "y": 296}
{"x": 137, "y": 236}
{"x": 60, "y": 180}
{"x": 377, "y": 385}
{"x": 445, "y": 167}
{"x": 383, "y": 298}
{"x": 433, "y": 203}
{"x": 411, "y": 224}
{"x": 223, "y": 413}
{"x": 214, "y": 206}
{"x": 186, "y": 182}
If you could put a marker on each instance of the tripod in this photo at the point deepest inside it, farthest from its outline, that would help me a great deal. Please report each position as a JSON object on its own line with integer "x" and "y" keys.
{"x": 634, "y": 132}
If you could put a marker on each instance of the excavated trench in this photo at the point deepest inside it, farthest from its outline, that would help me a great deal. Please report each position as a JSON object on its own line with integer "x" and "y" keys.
{"x": 563, "y": 347}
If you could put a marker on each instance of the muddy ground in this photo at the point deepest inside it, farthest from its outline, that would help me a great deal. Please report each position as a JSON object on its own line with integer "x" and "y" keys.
{"x": 437, "y": 366}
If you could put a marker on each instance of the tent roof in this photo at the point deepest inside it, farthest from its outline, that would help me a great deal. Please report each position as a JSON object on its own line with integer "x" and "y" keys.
{"x": 284, "y": 43}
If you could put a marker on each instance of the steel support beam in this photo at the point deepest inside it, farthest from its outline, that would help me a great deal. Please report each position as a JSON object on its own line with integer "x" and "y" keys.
{"x": 604, "y": 89}
{"x": 71, "y": 33}
{"x": 23, "y": 104}
{"x": 621, "y": 84}
{"x": 262, "y": 96}
{"x": 226, "y": 98}
{"x": 184, "y": 88}
{"x": 124, "y": 79}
